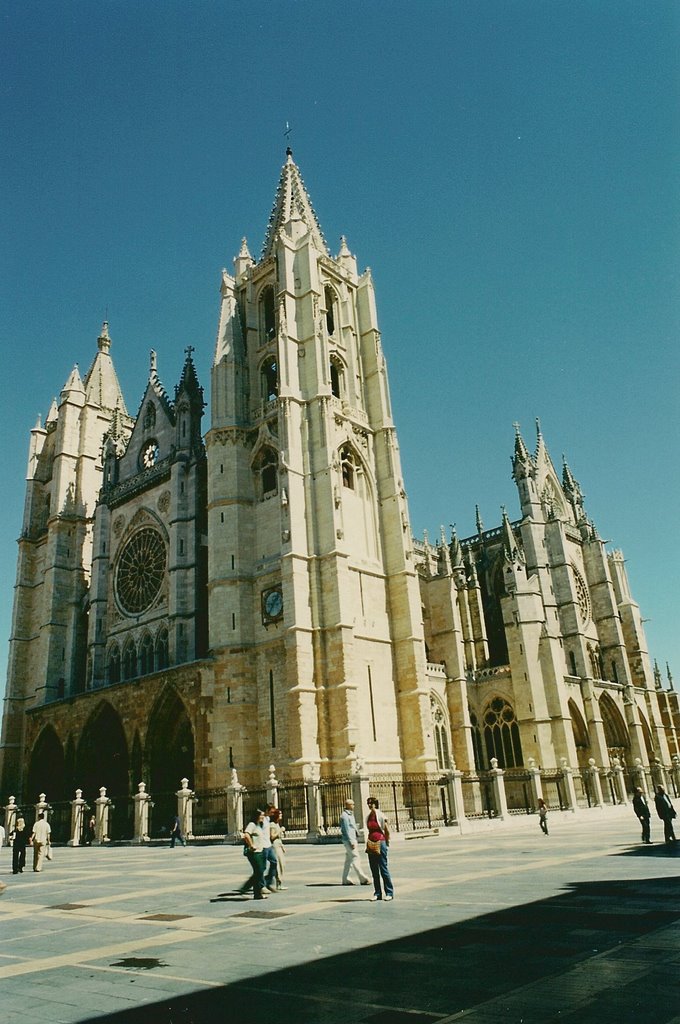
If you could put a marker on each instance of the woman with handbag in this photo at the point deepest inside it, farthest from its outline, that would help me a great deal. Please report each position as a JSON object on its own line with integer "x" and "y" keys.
{"x": 377, "y": 844}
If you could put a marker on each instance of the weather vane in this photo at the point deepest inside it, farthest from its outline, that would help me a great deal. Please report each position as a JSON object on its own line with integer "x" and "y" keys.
{"x": 287, "y": 132}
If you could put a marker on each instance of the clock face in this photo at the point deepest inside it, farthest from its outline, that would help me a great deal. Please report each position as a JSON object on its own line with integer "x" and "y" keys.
{"x": 149, "y": 455}
{"x": 140, "y": 571}
{"x": 272, "y": 604}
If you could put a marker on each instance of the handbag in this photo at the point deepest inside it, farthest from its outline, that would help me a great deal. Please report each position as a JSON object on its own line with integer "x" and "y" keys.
{"x": 373, "y": 846}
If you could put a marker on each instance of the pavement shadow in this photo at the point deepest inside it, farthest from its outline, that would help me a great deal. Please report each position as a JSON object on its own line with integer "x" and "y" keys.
{"x": 655, "y": 849}
{"x": 437, "y": 972}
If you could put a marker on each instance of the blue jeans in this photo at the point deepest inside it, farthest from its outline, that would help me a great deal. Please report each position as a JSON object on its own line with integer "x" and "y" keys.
{"x": 379, "y": 869}
{"x": 271, "y": 867}
{"x": 256, "y": 861}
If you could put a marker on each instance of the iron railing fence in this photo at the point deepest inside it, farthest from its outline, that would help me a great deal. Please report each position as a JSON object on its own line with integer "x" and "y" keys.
{"x": 162, "y": 812}
{"x": 212, "y": 814}
{"x": 59, "y": 818}
{"x": 518, "y": 791}
{"x": 253, "y": 799}
{"x": 608, "y": 787}
{"x": 293, "y": 806}
{"x": 121, "y": 818}
{"x": 583, "y": 789}
{"x": 411, "y": 802}
{"x": 554, "y": 790}
{"x": 333, "y": 793}
{"x": 478, "y": 796}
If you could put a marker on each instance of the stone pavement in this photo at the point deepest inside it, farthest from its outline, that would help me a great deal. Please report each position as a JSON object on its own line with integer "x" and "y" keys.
{"x": 504, "y": 925}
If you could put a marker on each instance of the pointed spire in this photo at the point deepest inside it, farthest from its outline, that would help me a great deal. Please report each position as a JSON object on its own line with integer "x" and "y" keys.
{"x": 669, "y": 677}
{"x": 52, "y": 414}
{"x": 292, "y": 203}
{"x": 455, "y": 549}
{"x": 101, "y": 382}
{"x": 244, "y": 259}
{"x": 573, "y": 491}
{"x": 444, "y": 554}
{"x": 478, "y": 521}
{"x": 657, "y": 675}
{"x": 522, "y": 462}
{"x": 189, "y": 379}
{"x": 345, "y": 257}
{"x": 540, "y": 443}
{"x": 509, "y": 542}
{"x": 74, "y": 382}
{"x": 104, "y": 341}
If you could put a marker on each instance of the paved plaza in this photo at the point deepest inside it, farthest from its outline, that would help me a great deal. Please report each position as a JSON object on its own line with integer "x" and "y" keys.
{"x": 502, "y": 925}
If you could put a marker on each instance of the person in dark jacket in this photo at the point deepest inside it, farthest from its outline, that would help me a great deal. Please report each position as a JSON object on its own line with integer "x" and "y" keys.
{"x": 666, "y": 811}
{"x": 20, "y": 838}
{"x": 641, "y": 809}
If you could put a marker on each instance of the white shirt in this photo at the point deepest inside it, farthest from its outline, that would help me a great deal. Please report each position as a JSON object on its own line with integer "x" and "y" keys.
{"x": 41, "y": 831}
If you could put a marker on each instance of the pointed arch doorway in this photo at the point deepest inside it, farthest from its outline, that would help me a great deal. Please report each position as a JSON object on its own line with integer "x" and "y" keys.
{"x": 169, "y": 756}
{"x": 102, "y": 759}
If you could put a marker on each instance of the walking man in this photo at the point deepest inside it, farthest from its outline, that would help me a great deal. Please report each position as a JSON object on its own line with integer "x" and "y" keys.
{"x": 641, "y": 809}
{"x": 40, "y": 837}
{"x": 350, "y": 840}
{"x": 666, "y": 811}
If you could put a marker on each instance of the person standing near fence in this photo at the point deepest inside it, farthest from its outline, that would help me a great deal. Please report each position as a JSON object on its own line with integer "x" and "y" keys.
{"x": 276, "y": 832}
{"x": 377, "y": 844}
{"x": 40, "y": 837}
{"x": 176, "y": 833}
{"x": 270, "y": 864}
{"x": 350, "y": 840}
{"x": 253, "y": 837}
{"x": 641, "y": 809}
{"x": 543, "y": 816}
{"x": 20, "y": 839}
{"x": 666, "y": 811}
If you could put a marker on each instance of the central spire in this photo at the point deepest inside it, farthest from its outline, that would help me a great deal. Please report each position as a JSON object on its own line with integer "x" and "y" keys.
{"x": 292, "y": 203}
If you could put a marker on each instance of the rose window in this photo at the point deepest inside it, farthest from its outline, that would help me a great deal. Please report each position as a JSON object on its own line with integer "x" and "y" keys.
{"x": 140, "y": 572}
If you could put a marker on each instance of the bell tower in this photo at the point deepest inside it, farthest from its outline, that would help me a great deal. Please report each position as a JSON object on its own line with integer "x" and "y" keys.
{"x": 315, "y": 615}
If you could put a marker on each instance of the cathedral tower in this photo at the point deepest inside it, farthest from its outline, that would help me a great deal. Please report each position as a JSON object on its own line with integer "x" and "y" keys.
{"x": 315, "y": 618}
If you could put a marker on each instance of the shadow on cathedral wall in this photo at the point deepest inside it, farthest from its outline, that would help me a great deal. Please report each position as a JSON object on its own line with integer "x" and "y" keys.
{"x": 594, "y": 930}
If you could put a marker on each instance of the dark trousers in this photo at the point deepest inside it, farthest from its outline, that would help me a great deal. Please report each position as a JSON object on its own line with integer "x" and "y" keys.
{"x": 645, "y": 829}
{"x": 18, "y": 858}
{"x": 668, "y": 833}
{"x": 256, "y": 880}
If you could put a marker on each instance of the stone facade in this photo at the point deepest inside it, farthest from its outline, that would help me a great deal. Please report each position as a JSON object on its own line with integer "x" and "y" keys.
{"x": 187, "y": 605}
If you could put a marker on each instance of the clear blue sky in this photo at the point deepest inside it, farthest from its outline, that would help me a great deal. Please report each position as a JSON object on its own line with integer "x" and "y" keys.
{"x": 508, "y": 169}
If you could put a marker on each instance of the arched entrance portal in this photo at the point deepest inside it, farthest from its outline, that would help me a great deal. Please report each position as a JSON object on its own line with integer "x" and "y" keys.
{"x": 169, "y": 756}
{"x": 46, "y": 769}
{"x": 615, "y": 731}
{"x": 102, "y": 760}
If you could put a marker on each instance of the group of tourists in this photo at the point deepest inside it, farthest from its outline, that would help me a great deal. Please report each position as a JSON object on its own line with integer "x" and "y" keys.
{"x": 20, "y": 839}
{"x": 263, "y": 846}
{"x": 664, "y": 809}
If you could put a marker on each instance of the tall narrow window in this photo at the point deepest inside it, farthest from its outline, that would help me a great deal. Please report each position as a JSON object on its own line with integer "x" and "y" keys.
{"x": 501, "y": 734}
{"x": 270, "y": 379}
{"x": 336, "y": 375}
{"x": 130, "y": 660}
{"x": 329, "y": 299}
{"x": 162, "y": 649}
{"x": 268, "y": 314}
{"x": 370, "y": 697}
{"x": 267, "y": 471}
{"x": 114, "y": 664}
{"x": 146, "y": 659}
{"x": 272, "y": 715}
{"x": 348, "y": 464}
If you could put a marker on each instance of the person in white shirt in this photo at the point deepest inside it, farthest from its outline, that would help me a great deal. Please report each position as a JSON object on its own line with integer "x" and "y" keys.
{"x": 350, "y": 840}
{"x": 40, "y": 837}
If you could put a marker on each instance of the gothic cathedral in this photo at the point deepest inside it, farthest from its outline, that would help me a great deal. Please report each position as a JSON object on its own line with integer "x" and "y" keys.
{"x": 190, "y": 603}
